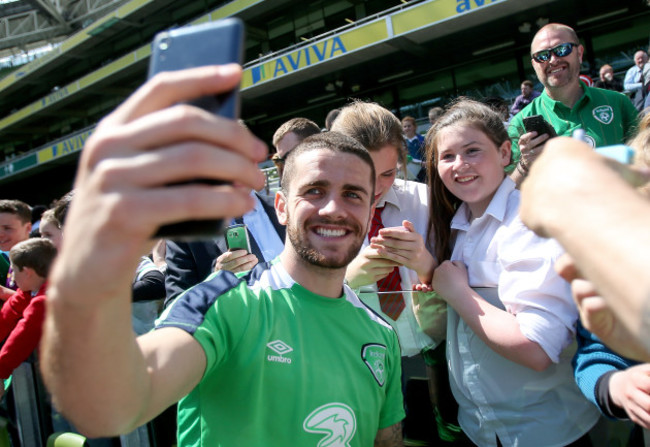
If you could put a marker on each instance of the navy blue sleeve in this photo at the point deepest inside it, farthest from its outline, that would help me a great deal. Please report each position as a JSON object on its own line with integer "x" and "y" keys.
{"x": 591, "y": 362}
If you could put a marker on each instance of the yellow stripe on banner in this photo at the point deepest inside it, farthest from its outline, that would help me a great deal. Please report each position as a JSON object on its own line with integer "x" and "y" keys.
{"x": 432, "y": 12}
{"x": 107, "y": 70}
{"x": 15, "y": 117}
{"x": 45, "y": 155}
{"x": 143, "y": 52}
{"x": 232, "y": 8}
{"x": 77, "y": 85}
{"x": 73, "y": 144}
{"x": 423, "y": 15}
{"x": 82, "y": 35}
{"x": 316, "y": 53}
{"x": 133, "y": 5}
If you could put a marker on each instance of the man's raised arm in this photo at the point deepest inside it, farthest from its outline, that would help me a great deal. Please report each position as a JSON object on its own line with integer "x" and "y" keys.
{"x": 100, "y": 377}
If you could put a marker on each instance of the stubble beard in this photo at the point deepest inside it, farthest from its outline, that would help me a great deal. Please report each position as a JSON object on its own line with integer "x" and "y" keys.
{"x": 312, "y": 256}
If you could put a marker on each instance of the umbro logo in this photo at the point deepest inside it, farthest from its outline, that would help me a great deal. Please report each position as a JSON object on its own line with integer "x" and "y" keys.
{"x": 281, "y": 348}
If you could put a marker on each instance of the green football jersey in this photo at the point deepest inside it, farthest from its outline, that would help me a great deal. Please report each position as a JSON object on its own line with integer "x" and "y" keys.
{"x": 285, "y": 366}
{"x": 608, "y": 118}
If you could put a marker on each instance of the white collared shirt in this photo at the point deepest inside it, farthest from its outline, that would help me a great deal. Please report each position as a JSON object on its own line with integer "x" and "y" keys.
{"x": 261, "y": 228}
{"x": 405, "y": 200}
{"x": 520, "y": 406}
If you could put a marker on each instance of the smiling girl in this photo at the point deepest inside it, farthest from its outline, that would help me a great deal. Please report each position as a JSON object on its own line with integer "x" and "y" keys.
{"x": 510, "y": 315}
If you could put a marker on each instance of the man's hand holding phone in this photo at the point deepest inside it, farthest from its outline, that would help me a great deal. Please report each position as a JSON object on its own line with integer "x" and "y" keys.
{"x": 238, "y": 258}
{"x": 235, "y": 261}
{"x": 122, "y": 186}
{"x": 538, "y": 132}
{"x": 531, "y": 144}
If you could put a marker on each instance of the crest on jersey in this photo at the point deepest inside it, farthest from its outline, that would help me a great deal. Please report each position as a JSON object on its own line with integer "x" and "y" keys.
{"x": 374, "y": 356}
{"x": 604, "y": 114}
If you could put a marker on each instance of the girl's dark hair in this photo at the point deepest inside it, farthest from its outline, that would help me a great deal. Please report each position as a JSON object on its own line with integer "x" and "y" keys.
{"x": 444, "y": 204}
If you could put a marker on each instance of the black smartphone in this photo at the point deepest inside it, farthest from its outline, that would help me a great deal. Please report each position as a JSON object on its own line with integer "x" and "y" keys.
{"x": 237, "y": 238}
{"x": 213, "y": 43}
{"x": 538, "y": 124}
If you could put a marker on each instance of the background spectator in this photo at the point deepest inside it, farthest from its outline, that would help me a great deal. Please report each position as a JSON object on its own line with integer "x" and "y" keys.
{"x": 633, "y": 82}
{"x": 607, "y": 117}
{"x": 22, "y": 316}
{"x": 414, "y": 141}
{"x": 434, "y": 114}
{"x": 288, "y": 135}
{"x": 607, "y": 79}
{"x": 526, "y": 97}
{"x": 15, "y": 226}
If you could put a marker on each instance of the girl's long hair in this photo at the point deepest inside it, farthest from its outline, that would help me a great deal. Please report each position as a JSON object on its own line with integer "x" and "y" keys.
{"x": 444, "y": 204}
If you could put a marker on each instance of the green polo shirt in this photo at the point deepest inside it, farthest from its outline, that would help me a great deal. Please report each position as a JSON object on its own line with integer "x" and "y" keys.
{"x": 608, "y": 118}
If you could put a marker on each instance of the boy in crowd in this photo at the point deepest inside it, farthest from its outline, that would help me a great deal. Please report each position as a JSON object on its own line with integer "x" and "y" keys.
{"x": 15, "y": 225}
{"x": 21, "y": 317}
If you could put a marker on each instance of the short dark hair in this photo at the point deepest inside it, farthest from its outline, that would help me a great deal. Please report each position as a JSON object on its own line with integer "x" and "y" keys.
{"x": 332, "y": 141}
{"x": 61, "y": 207}
{"x": 18, "y": 208}
{"x": 302, "y": 127}
{"x": 331, "y": 116}
{"x": 35, "y": 253}
{"x": 528, "y": 83}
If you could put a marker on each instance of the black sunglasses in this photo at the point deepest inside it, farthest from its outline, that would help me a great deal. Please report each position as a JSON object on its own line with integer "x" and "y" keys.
{"x": 562, "y": 50}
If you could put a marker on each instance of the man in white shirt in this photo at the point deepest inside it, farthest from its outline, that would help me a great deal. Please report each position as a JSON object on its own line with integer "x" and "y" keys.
{"x": 633, "y": 82}
{"x": 189, "y": 263}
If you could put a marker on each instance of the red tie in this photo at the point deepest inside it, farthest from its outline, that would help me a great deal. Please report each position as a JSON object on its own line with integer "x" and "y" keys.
{"x": 392, "y": 304}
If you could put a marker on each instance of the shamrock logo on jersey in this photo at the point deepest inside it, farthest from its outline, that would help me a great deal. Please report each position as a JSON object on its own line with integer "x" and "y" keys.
{"x": 336, "y": 421}
{"x": 374, "y": 356}
{"x": 604, "y": 114}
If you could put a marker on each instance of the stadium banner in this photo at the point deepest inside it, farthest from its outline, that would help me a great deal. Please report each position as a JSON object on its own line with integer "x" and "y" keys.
{"x": 316, "y": 53}
{"x": 65, "y": 147}
{"x": 429, "y": 13}
{"x": 57, "y": 150}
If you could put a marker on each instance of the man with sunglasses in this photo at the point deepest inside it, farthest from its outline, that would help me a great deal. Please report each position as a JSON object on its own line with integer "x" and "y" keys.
{"x": 288, "y": 135}
{"x": 566, "y": 103}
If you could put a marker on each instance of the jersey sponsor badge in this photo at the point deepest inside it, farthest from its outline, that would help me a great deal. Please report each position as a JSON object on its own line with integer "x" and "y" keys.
{"x": 374, "y": 356}
{"x": 281, "y": 349}
{"x": 604, "y": 114}
{"x": 336, "y": 421}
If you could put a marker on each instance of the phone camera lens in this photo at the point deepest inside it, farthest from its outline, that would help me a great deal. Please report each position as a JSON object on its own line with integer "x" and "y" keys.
{"x": 163, "y": 44}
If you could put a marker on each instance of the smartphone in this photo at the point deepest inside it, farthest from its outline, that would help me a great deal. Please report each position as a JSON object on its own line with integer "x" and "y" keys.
{"x": 237, "y": 238}
{"x": 212, "y": 43}
{"x": 538, "y": 124}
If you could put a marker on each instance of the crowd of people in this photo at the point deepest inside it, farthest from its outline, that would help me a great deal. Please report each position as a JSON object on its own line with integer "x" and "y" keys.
{"x": 481, "y": 274}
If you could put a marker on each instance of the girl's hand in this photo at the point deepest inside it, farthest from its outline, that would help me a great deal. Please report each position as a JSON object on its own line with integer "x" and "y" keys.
{"x": 368, "y": 268}
{"x": 422, "y": 288}
{"x": 450, "y": 280}
{"x": 405, "y": 246}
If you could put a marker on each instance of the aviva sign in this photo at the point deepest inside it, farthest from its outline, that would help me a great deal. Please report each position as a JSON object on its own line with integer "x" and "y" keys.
{"x": 319, "y": 52}
{"x": 411, "y": 19}
{"x": 316, "y": 53}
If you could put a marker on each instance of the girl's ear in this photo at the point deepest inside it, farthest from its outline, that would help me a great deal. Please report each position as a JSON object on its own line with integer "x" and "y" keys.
{"x": 505, "y": 151}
